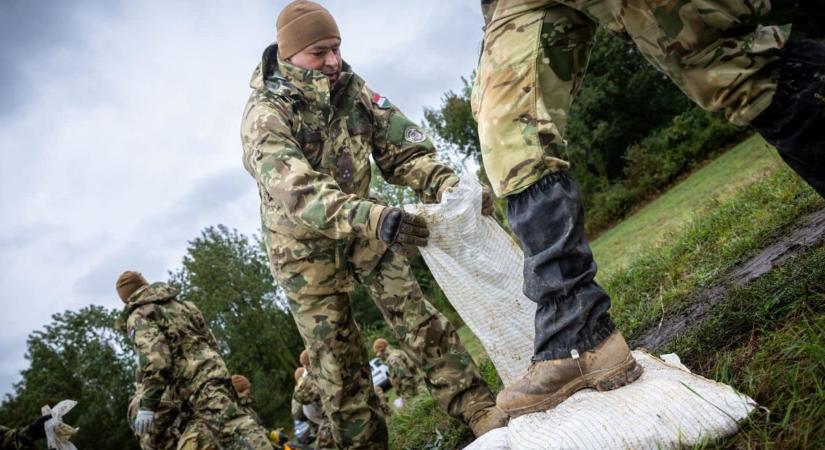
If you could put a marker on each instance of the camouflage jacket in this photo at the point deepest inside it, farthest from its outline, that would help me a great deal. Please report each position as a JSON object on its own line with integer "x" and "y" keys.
{"x": 403, "y": 372}
{"x": 309, "y": 147}
{"x": 15, "y": 439}
{"x": 174, "y": 345}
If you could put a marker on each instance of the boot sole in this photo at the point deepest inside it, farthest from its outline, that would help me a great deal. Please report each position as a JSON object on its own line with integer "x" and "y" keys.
{"x": 623, "y": 374}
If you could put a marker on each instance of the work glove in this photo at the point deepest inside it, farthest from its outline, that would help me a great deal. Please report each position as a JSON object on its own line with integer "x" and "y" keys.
{"x": 486, "y": 200}
{"x": 396, "y": 226}
{"x": 143, "y": 421}
{"x": 37, "y": 429}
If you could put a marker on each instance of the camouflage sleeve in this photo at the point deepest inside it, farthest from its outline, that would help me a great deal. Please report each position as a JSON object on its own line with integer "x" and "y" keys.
{"x": 404, "y": 153}
{"x": 15, "y": 439}
{"x": 154, "y": 357}
{"x": 311, "y": 198}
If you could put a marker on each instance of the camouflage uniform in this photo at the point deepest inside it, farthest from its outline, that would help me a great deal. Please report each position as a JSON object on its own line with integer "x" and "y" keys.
{"x": 168, "y": 422}
{"x": 536, "y": 51}
{"x": 309, "y": 150}
{"x": 403, "y": 373}
{"x": 177, "y": 351}
{"x": 15, "y": 439}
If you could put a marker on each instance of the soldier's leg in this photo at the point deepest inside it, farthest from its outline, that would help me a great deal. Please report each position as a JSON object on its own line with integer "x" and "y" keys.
{"x": 552, "y": 46}
{"x": 719, "y": 55}
{"x": 339, "y": 359}
{"x": 427, "y": 336}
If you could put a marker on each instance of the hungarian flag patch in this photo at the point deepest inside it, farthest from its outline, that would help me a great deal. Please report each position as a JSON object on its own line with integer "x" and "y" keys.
{"x": 380, "y": 101}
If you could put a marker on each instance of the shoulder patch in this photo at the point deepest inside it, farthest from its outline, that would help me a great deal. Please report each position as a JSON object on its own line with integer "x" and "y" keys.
{"x": 132, "y": 333}
{"x": 414, "y": 135}
{"x": 380, "y": 101}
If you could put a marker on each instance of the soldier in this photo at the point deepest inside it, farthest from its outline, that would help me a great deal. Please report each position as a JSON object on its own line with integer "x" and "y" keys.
{"x": 403, "y": 372}
{"x": 244, "y": 390}
{"x": 308, "y": 395}
{"x": 304, "y": 429}
{"x": 533, "y": 61}
{"x": 177, "y": 351}
{"x": 23, "y": 438}
{"x": 308, "y": 132}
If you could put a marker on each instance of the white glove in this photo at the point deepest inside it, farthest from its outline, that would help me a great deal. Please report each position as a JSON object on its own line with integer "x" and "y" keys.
{"x": 143, "y": 421}
{"x": 399, "y": 403}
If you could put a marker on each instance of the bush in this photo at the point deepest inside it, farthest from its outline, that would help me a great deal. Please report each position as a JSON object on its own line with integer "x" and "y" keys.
{"x": 658, "y": 160}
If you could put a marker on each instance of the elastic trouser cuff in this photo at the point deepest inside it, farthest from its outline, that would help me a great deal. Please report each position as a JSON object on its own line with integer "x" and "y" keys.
{"x": 586, "y": 340}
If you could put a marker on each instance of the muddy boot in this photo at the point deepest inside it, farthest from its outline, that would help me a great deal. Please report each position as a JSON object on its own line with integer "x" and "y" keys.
{"x": 608, "y": 366}
{"x": 794, "y": 122}
{"x": 487, "y": 419}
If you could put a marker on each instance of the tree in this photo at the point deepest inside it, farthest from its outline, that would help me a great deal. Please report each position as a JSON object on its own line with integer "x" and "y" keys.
{"x": 78, "y": 356}
{"x": 227, "y": 276}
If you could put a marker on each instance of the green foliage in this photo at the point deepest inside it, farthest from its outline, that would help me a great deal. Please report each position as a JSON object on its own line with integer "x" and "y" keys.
{"x": 78, "y": 356}
{"x": 227, "y": 275}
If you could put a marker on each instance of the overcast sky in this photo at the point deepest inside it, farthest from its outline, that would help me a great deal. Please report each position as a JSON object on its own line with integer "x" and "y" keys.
{"x": 119, "y": 131}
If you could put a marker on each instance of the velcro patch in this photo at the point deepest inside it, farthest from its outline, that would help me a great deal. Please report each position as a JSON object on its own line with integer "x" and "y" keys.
{"x": 380, "y": 101}
{"x": 414, "y": 135}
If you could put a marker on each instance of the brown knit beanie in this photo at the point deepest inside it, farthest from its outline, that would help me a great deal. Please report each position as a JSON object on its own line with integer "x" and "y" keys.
{"x": 379, "y": 345}
{"x": 240, "y": 383}
{"x": 304, "y": 358}
{"x": 128, "y": 282}
{"x": 299, "y": 372}
{"x": 301, "y": 24}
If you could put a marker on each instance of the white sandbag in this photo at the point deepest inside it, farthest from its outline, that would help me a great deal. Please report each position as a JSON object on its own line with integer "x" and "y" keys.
{"x": 479, "y": 267}
{"x": 667, "y": 407}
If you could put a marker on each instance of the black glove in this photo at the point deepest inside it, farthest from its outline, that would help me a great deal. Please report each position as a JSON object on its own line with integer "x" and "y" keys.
{"x": 37, "y": 429}
{"x": 397, "y": 226}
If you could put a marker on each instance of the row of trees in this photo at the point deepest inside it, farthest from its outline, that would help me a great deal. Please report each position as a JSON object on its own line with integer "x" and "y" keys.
{"x": 82, "y": 356}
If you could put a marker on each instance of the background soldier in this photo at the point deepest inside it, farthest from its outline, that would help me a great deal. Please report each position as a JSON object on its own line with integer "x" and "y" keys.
{"x": 177, "y": 351}
{"x": 303, "y": 427}
{"x": 403, "y": 372}
{"x": 308, "y": 132}
{"x": 713, "y": 50}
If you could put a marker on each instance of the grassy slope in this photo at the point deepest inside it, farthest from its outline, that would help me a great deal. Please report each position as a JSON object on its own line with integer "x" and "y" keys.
{"x": 772, "y": 331}
{"x": 649, "y": 226}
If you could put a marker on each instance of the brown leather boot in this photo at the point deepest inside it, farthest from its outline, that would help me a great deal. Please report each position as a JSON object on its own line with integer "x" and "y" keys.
{"x": 487, "y": 419}
{"x": 608, "y": 366}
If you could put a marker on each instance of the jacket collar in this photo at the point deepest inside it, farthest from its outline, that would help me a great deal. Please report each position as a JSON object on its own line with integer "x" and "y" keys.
{"x": 310, "y": 86}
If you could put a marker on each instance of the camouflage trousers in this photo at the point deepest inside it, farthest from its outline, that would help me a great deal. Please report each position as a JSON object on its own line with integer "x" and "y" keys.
{"x": 218, "y": 423}
{"x": 339, "y": 358}
{"x": 536, "y": 51}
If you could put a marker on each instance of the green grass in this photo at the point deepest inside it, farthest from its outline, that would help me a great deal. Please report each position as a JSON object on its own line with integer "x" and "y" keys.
{"x": 655, "y": 222}
{"x": 767, "y": 340}
{"x": 707, "y": 248}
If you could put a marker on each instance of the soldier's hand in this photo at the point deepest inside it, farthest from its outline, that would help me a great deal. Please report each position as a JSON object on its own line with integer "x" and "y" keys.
{"x": 143, "y": 421}
{"x": 486, "y": 200}
{"x": 397, "y": 226}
